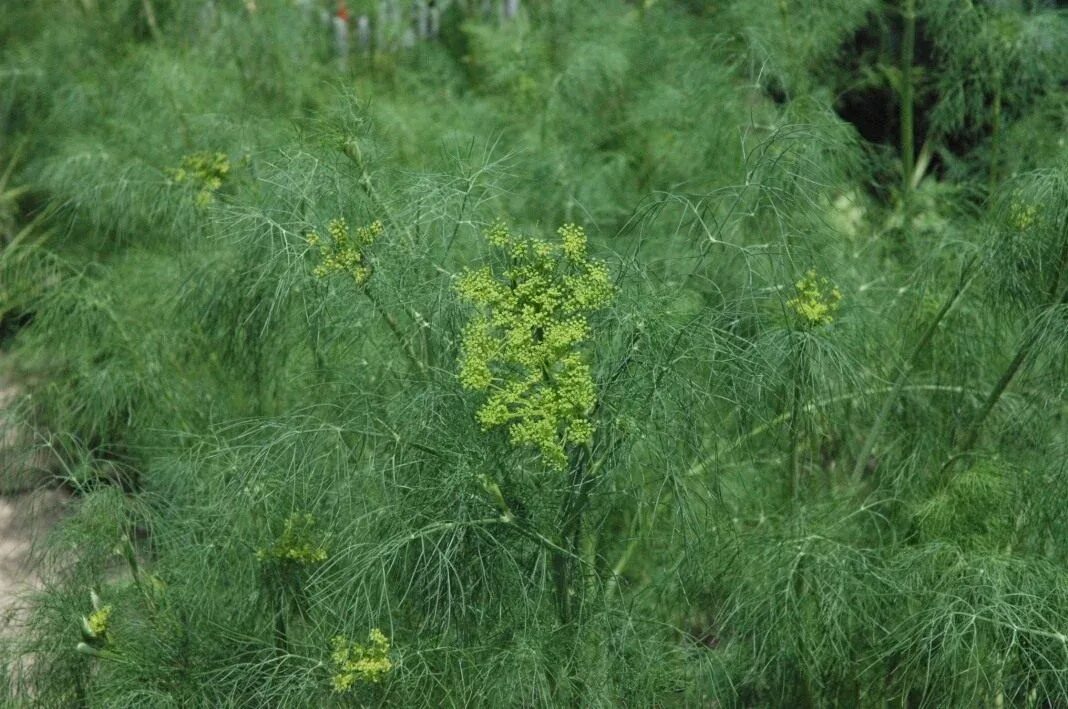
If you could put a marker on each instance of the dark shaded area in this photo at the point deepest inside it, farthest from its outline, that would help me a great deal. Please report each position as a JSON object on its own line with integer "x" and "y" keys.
{"x": 870, "y": 61}
{"x": 10, "y": 325}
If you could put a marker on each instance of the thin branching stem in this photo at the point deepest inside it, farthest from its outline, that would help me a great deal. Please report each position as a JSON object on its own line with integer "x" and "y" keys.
{"x": 966, "y": 277}
{"x": 1023, "y": 352}
{"x": 391, "y": 323}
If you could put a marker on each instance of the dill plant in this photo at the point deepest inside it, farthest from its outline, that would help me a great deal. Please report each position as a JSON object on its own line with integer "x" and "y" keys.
{"x": 311, "y": 501}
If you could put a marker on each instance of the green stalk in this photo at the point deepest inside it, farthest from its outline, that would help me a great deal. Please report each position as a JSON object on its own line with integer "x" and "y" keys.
{"x": 576, "y": 550}
{"x": 995, "y": 394}
{"x": 281, "y": 630}
{"x": 995, "y": 138}
{"x": 819, "y": 404}
{"x": 571, "y": 509}
{"x": 788, "y": 33}
{"x": 908, "y": 147}
{"x": 793, "y": 467}
{"x": 391, "y": 323}
{"x": 906, "y": 368}
{"x": 1022, "y": 353}
{"x": 620, "y": 567}
{"x": 352, "y": 151}
{"x": 150, "y": 18}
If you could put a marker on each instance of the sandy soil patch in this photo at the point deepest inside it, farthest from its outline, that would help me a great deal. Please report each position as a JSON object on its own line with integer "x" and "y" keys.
{"x": 24, "y": 520}
{"x": 28, "y": 509}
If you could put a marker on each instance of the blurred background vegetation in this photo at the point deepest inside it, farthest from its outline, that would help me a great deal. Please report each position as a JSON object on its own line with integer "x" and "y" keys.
{"x": 831, "y": 448}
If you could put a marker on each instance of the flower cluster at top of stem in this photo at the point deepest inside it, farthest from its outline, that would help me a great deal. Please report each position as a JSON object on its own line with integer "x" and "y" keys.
{"x": 1023, "y": 215}
{"x": 344, "y": 252}
{"x": 297, "y": 544}
{"x": 205, "y": 172}
{"x": 816, "y": 300}
{"x": 523, "y": 346}
{"x": 95, "y": 626}
{"x": 97, "y": 622}
{"x": 360, "y": 663}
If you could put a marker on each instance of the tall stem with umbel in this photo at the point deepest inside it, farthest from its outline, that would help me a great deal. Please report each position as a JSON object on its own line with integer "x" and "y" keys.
{"x": 908, "y": 146}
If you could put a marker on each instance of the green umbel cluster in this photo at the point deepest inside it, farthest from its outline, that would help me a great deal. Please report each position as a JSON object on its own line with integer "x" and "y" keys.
{"x": 205, "y": 172}
{"x": 95, "y": 626}
{"x": 359, "y": 663}
{"x": 817, "y": 300}
{"x": 344, "y": 252}
{"x": 94, "y": 630}
{"x": 297, "y": 545}
{"x": 524, "y": 344}
{"x": 1024, "y": 215}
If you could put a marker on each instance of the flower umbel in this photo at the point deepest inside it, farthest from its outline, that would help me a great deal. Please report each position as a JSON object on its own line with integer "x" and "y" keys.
{"x": 344, "y": 252}
{"x": 95, "y": 626}
{"x": 97, "y": 621}
{"x": 524, "y": 344}
{"x": 816, "y": 301}
{"x": 1023, "y": 215}
{"x": 204, "y": 171}
{"x": 359, "y": 663}
{"x": 297, "y": 545}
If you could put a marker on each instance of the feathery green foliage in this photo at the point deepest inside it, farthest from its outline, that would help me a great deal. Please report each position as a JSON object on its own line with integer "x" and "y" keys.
{"x": 778, "y": 420}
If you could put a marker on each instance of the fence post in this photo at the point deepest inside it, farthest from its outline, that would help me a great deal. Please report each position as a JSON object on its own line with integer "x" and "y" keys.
{"x": 435, "y": 19}
{"x": 363, "y": 33}
{"x": 422, "y": 19}
{"x": 341, "y": 35}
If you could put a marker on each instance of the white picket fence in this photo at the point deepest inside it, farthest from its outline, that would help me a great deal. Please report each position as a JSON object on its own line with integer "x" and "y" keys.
{"x": 398, "y": 24}
{"x": 395, "y": 25}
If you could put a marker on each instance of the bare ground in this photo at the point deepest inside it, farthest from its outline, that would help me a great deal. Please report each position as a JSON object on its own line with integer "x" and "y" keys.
{"x": 24, "y": 519}
{"x": 29, "y": 508}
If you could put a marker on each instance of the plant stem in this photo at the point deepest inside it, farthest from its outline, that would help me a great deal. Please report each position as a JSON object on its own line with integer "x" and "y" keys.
{"x": 908, "y": 50}
{"x": 391, "y": 322}
{"x": 788, "y": 34}
{"x": 793, "y": 469}
{"x": 816, "y": 405}
{"x": 995, "y": 137}
{"x": 1022, "y": 353}
{"x": 281, "y": 632}
{"x": 906, "y": 368}
{"x": 352, "y": 151}
{"x": 624, "y": 559}
{"x": 999, "y": 388}
{"x": 150, "y": 18}
{"x": 570, "y": 531}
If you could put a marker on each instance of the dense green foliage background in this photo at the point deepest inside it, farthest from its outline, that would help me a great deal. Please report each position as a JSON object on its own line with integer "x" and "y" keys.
{"x": 775, "y": 511}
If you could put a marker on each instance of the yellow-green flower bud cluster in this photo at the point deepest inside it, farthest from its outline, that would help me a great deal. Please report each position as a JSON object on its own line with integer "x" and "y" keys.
{"x": 205, "y": 172}
{"x": 95, "y": 625}
{"x": 360, "y": 663}
{"x": 97, "y": 621}
{"x": 297, "y": 544}
{"x": 344, "y": 252}
{"x": 1023, "y": 216}
{"x": 523, "y": 345}
{"x": 817, "y": 300}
